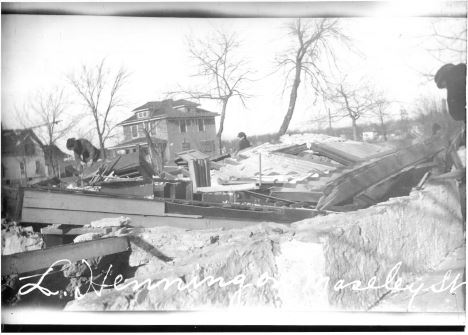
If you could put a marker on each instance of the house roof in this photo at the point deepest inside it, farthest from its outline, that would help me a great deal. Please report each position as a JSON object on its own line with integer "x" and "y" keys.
{"x": 55, "y": 151}
{"x": 168, "y": 109}
{"x": 135, "y": 141}
{"x": 19, "y": 141}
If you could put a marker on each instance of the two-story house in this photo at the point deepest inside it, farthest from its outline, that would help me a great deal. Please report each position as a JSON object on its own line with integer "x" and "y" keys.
{"x": 175, "y": 125}
{"x": 23, "y": 160}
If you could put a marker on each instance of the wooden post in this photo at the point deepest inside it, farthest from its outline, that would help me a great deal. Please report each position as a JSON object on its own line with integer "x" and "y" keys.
{"x": 260, "y": 169}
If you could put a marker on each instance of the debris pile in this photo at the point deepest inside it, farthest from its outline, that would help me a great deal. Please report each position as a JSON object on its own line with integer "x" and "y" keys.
{"x": 269, "y": 222}
{"x": 17, "y": 239}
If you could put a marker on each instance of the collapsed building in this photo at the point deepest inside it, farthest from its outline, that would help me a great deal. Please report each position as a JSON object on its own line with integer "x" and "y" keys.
{"x": 285, "y": 214}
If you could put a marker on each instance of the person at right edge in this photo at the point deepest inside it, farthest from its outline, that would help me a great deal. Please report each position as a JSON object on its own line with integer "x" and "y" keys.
{"x": 453, "y": 78}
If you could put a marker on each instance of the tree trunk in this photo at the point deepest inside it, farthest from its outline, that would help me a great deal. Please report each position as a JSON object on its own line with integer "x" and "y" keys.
{"x": 330, "y": 128}
{"x": 355, "y": 130}
{"x": 101, "y": 144}
{"x": 100, "y": 133}
{"x": 292, "y": 101}
{"x": 382, "y": 126}
{"x": 221, "y": 125}
{"x": 52, "y": 163}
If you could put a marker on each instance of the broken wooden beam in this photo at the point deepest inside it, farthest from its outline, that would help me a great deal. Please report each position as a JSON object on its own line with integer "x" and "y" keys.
{"x": 74, "y": 231}
{"x": 257, "y": 213}
{"x": 364, "y": 176}
{"x": 42, "y": 259}
{"x": 113, "y": 206}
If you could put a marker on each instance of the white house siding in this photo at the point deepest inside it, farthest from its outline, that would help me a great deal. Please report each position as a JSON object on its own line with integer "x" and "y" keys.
{"x": 195, "y": 138}
{"x": 12, "y": 170}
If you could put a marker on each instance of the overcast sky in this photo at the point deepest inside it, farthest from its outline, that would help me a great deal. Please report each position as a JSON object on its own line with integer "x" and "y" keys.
{"x": 38, "y": 52}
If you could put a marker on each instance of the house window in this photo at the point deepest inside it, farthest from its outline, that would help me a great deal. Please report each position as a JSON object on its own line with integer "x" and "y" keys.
{"x": 38, "y": 167}
{"x": 182, "y": 126}
{"x": 134, "y": 131}
{"x": 140, "y": 130}
{"x": 185, "y": 146}
{"x": 201, "y": 125}
{"x": 207, "y": 146}
{"x": 22, "y": 168}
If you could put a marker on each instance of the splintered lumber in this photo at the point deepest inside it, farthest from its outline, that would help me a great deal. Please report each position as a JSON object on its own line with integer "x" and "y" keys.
{"x": 42, "y": 259}
{"x": 364, "y": 176}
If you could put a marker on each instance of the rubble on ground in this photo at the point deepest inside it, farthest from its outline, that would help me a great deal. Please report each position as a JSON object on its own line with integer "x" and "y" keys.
{"x": 348, "y": 246}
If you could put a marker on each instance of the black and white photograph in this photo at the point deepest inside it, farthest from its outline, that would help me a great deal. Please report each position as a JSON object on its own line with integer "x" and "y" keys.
{"x": 234, "y": 163}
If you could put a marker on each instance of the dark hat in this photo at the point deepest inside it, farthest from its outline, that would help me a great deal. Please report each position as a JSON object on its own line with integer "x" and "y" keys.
{"x": 70, "y": 143}
{"x": 241, "y": 134}
{"x": 441, "y": 75}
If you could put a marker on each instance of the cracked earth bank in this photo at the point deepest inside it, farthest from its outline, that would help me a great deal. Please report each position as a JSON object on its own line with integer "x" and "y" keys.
{"x": 295, "y": 267}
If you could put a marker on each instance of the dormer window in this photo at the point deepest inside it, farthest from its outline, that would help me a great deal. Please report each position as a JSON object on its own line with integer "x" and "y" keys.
{"x": 186, "y": 109}
{"x": 141, "y": 115}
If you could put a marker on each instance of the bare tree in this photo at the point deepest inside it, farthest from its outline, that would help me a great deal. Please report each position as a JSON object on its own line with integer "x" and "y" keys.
{"x": 312, "y": 43}
{"x": 100, "y": 91}
{"x": 47, "y": 114}
{"x": 354, "y": 102}
{"x": 380, "y": 110}
{"x": 450, "y": 40}
{"x": 224, "y": 74}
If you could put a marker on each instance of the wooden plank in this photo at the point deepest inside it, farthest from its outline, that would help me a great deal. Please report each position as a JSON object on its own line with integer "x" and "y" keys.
{"x": 227, "y": 188}
{"x": 80, "y": 218}
{"x": 138, "y": 188}
{"x": 89, "y": 203}
{"x": 327, "y": 153}
{"x": 354, "y": 151}
{"x": 193, "y": 175}
{"x": 264, "y": 196}
{"x": 363, "y": 177}
{"x": 319, "y": 168}
{"x": 74, "y": 231}
{"x": 264, "y": 213}
{"x": 298, "y": 195}
{"x": 41, "y": 259}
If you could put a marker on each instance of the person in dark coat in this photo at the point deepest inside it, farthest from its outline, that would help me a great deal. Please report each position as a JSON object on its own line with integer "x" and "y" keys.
{"x": 83, "y": 149}
{"x": 453, "y": 78}
{"x": 243, "y": 142}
